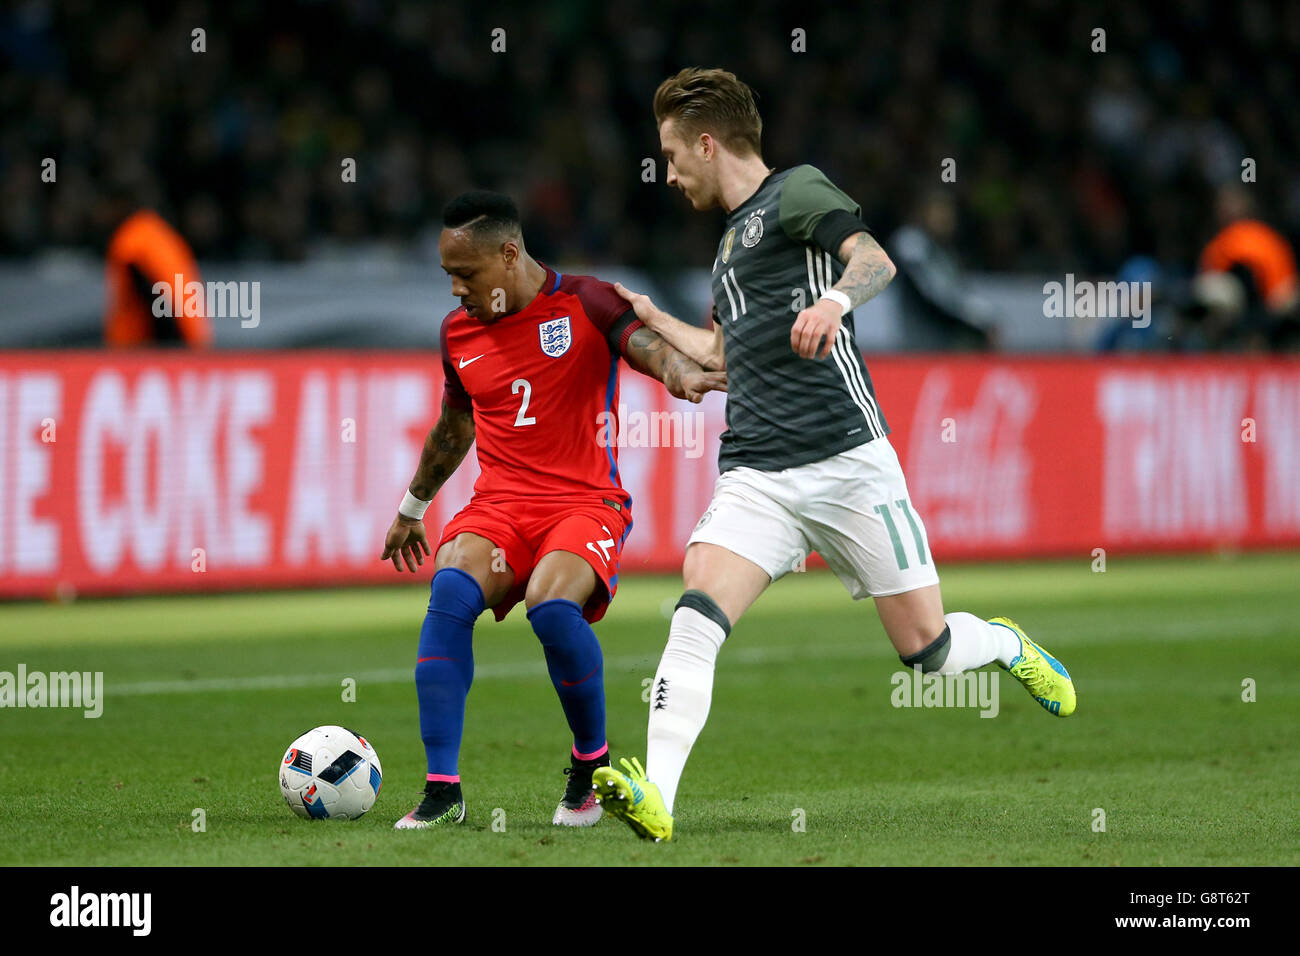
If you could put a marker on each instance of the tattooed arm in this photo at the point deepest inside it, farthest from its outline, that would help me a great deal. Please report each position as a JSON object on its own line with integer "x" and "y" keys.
{"x": 702, "y": 345}
{"x": 867, "y": 270}
{"x": 651, "y": 355}
{"x": 444, "y": 449}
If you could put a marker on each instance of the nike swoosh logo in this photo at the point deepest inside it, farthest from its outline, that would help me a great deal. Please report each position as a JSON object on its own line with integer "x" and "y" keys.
{"x": 575, "y": 683}
{"x": 464, "y": 362}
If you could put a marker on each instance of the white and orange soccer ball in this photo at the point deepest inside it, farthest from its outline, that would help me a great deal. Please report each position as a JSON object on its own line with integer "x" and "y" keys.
{"x": 330, "y": 773}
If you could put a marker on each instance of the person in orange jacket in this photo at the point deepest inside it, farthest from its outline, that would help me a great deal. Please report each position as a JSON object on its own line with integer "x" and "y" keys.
{"x": 143, "y": 251}
{"x": 1258, "y": 253}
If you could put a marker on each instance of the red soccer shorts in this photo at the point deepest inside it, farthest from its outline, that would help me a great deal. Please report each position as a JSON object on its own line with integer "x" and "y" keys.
{"x": 527, "y": 529}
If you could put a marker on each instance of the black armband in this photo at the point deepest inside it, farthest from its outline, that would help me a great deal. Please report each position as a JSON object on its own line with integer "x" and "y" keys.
{"x": 836, "y": 226}
{"x": 621, "y": 330}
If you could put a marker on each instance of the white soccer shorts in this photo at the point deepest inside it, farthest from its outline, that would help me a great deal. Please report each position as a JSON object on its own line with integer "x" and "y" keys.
{"x": 852, "y": 508}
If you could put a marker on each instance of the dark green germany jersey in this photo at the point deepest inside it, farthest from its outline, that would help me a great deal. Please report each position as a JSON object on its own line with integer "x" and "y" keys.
{"x": 777, "y": 256}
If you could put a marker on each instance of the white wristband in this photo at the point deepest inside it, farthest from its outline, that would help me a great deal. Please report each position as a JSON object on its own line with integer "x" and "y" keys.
{"x": 835, "y": 295}
{"x": 413, "y": 507}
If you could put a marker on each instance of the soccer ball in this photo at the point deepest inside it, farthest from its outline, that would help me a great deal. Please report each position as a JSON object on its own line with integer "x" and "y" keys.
{"x": 330, "y": 772}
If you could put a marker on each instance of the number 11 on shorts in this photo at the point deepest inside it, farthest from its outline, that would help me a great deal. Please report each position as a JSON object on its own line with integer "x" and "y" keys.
{"x": 899, "y": 554}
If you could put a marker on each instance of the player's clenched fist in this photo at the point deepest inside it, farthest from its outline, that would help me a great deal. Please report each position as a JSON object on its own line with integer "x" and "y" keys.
{"x": 695, "y": 385}
{"x": 815, "y": 329}
{"x": 406, "y": 540}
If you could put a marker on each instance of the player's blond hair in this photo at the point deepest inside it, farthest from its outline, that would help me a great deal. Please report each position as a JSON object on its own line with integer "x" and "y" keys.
{"x": 714, "y": 102}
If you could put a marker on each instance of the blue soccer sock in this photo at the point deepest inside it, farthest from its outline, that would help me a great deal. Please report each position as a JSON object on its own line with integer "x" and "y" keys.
{"x": 444, "y": 668}
{"x": 577, "y": 670}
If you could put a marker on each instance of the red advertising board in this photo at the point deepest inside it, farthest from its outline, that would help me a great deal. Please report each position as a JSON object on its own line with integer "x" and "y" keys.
{"x": 156, "y": 472}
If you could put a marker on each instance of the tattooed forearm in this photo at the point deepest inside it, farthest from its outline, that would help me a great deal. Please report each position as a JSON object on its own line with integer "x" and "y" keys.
{"x": 867, "y": 269}
{"x": 675, "y": 368}
{"x": 444, "y": 448}
{"x": 703, "y": 346}
{"x": 651, "y": 355}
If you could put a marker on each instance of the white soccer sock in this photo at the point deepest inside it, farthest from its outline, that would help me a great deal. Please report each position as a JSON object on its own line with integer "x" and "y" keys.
{"x": 975, "y": 642}
{"x": 680, "y": 697}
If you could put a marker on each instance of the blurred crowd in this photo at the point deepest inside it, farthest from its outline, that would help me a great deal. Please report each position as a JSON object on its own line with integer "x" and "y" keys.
{"x": 1066, "y": 158}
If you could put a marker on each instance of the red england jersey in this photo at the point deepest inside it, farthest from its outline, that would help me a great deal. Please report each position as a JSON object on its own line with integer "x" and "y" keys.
{"x": 543, "y": 386}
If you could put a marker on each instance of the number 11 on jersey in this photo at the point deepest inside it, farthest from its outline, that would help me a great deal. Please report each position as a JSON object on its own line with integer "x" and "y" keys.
{"x": 896, "y": 539}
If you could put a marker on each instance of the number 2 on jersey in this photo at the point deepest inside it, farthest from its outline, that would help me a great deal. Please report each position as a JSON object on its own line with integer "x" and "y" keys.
{"x": 522, "y": 385}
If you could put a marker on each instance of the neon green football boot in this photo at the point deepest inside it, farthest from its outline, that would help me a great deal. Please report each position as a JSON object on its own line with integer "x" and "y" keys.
{"x": 633, "y": 799}
{"x": 1046, "y": 678}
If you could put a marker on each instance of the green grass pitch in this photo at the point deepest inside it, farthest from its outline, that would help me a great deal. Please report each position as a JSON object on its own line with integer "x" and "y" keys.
{"x": 202, "y": 695}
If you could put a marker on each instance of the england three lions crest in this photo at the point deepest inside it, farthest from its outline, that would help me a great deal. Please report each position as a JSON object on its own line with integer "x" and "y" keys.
{"x": 556, "y": 336}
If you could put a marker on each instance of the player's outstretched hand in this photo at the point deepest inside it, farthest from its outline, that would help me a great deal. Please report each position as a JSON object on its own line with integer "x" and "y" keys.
{"x": 406, "y": 540}
{"x": 815, "y": 330}
{"x": 695, "y": 385}
{"x": 641, "y": 303}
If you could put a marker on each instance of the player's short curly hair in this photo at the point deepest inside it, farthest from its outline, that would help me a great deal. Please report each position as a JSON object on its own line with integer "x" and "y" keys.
{"x": 711, "y": 101}
{"x": 488, "y": 214}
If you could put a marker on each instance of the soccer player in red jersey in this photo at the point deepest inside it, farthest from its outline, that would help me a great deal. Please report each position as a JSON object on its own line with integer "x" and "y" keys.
{"x": 531, "y": 366}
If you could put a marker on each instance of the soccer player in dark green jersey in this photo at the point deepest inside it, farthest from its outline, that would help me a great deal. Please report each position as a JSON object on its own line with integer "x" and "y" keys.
{"x": 805, "y": 464}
